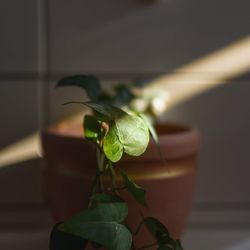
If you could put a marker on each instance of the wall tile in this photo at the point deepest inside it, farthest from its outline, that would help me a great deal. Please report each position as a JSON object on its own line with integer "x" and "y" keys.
{"x": 222, "y": 116}
{"x": 157, "y": 38}
{"x": 19, "y": 110}
{"x": 18, "y": 31}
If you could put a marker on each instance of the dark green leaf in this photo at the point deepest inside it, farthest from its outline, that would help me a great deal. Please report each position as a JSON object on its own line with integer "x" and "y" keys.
{"x": 123, "y": 95}
{"x": 92, "y": 128}
{"x": 112, "y": 235}
{"x": 116, "y": 211}
{"x": 137, "y": 192}
{"x": 88, "y": 82}
{"x": 64, "y": 241}
{"x": 105, "y": 109}
{"x": 105, "y": 198}
{"x": 157, "y": 229}
{"x": 101, "y": 224}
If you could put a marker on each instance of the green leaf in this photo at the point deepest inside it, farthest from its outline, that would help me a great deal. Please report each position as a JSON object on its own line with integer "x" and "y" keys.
{"x": 127, "y": 133}
{"x": 88, "y": 82}
{"x": 106, "y": 110}
{"x": 112, "y": 235}
{"x": 115, "y": 211}
{"x": 137, "y": 192}
{"x": 150, "y": 125}
{"x": 123, "y": 95}
{"x": 101, "y": 224}
{"x": 112, "y": 146}
{"x": 158, "y": 230}
{"x": 65, "y": 241}
{"x": 92, "y": 128}
{"x": 105, "y": 198}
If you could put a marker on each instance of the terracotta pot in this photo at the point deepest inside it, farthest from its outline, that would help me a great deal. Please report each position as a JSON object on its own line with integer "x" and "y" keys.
{"x": 70, "y": 168}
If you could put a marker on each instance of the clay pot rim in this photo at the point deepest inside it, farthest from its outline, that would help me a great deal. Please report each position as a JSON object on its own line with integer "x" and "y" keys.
{"x": 177, "y": 139}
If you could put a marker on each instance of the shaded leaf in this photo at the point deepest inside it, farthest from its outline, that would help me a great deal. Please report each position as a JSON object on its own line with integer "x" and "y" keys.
{"x": 157, "y": 229}
{"x": 88, "y": 82}
{"x": 104, "y": 198}
{"x": 112, "y": 235}
{"x": 101, "y": 225}
{"x": 105, "y": 212}
{"x": 137, "y": 192}
{"x": 92, "y": 128}
{"x": 123, "y": 95}
{"x": 65, "y": 241}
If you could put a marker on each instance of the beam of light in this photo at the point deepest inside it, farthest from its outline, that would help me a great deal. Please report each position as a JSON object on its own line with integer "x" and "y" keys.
{"x": 198, "y": 76}
{"x": 207, "y": 72}
{"x": 25, "y": 149}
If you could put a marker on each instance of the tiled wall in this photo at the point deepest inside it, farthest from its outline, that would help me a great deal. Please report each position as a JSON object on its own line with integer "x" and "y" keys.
{"x": 42, "y": 40}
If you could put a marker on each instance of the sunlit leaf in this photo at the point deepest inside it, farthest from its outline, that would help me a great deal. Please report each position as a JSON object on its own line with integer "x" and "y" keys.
{"x": 137, "y": 192}
{"x": 88, "y": 82}
{"x": 127, "y": 133}
{"x": 112, "y": 146}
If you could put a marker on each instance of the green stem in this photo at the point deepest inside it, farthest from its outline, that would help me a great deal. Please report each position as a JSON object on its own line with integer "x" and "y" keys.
{"x": 113, "y": 178}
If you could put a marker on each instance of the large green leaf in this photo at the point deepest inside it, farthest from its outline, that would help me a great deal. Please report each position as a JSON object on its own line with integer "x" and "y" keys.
{"x": 101, "y": 224}
{"x": 127, "y": 133}
{"x": 158, "y": 230}
{"x": 112, "y": 235}
{"x": 137, "y": 192}
{"x": 88, "y": 82}
{"x": 105, "y": 212}
{"x": 105, "y": 198}
{"x": 65, "y": 241}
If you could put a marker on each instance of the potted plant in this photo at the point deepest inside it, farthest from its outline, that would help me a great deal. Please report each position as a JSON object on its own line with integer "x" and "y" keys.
{"x": 169, "y": 182}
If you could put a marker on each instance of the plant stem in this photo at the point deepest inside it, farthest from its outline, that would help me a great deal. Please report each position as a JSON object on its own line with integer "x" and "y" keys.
{"x": 113, "y": 178}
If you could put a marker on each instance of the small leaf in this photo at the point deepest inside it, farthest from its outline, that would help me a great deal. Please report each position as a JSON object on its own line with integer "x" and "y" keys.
{"x": 137, "y": 192}
{"x": 65, "y": 241}
{"x": 88, "y": 82}
{"x": 158, "y": 230}
{"x": 92, "y": 128}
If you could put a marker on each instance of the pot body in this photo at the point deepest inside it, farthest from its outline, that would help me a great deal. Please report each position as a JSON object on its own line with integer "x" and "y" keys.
{"x": 168, "y": 177}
